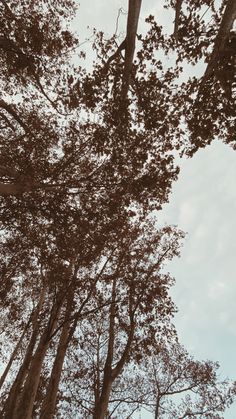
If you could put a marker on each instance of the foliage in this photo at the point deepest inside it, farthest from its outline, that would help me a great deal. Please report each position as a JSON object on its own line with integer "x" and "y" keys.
{"x": 85, "y": 159}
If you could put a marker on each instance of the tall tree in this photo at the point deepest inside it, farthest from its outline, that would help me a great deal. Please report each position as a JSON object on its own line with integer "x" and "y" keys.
{"x": 170, "y": 383}
{"x": 79, "y": 176}
{"x": 126, "y": 330}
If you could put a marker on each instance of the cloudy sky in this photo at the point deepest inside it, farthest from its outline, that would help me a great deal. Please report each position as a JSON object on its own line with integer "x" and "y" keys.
{"x": 203, "y": 204}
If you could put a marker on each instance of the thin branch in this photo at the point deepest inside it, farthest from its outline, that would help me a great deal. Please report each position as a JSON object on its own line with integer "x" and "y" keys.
{"x": 117, "y": 19}
{"x": 53, "y": 103}
{"x": 10, "y": 109}
{"x": 7, "y": 121}
{"x": 121, "y": 47}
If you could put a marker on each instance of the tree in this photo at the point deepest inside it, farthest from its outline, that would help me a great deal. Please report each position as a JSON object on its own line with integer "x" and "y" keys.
{"x": 85, "y": 158}
{"x": 177, "y": 385}
{"x": 131, "y": 32}
{"x": 170, "y": 383}
{"x": 125, "y": 330}
{"x": 206, "y": 31}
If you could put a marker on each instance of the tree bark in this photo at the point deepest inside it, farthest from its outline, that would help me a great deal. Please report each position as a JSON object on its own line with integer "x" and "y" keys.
{"x": 26, "y": 404}
{"x": 102, "y": 405}
{"x": 177, "y": 16}
{"x": 120, "y": 364}
{"x": 227, "y": 22}
{"x": 15, "y": 392}
{"x": 101, "y": 408}
{"x": 7, "y": 189}
{"x": 13, "y": 399}
{"x": 14, "y": 353}
{"x": 110, "y": 374}
{"x": 18, "y": 188}
{"x": 49, "y": 404}
{"x": 157, "y": 408}
{"x": 25, "y": 408}
{"x": 132, "y": 25}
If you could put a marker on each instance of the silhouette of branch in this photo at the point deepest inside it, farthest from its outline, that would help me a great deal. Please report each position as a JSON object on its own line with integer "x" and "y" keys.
{"x": 177, "y": 16}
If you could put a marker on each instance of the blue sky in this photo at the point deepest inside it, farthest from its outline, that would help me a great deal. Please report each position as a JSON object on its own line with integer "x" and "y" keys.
{"x": 203, "y": 204}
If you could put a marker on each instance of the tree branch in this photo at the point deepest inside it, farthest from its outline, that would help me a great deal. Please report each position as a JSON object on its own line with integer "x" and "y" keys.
{"x": 13, "y": 113}
{"x": 227, "y": 22}
{"x": 177, "y": 16}
{"x": 120, "y": 364}
{"x": 132, "y": 25}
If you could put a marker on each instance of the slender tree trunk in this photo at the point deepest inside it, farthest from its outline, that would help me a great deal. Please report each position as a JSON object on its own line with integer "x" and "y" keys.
{"x": 25, "y": 407}
{"x": 110, "y": 374}
{"x": 101, "y": 409}
{"x": 15, "y": 392}
{"x": 132, "y": 25}
{"x": 157, "y": 408}
{"x": 226, "y": 25}
{"x": 68, "y": 330}
{"x": 177, "y": 16}
{"x": 14, "y": 353}
{"x": 49, "y": 404}
{"x": 26, "y": 404}
{"x": 102, "y": 405}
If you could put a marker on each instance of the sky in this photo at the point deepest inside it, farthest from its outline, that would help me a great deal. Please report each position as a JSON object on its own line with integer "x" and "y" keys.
{"x": 203, "y": 204}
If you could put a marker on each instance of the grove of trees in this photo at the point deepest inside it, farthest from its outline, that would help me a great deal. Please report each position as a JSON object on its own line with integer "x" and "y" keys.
{"x": 87, "y": 159}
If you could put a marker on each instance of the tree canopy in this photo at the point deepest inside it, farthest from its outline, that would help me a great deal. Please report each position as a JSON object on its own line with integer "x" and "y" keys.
{"x": 87, "y": 159}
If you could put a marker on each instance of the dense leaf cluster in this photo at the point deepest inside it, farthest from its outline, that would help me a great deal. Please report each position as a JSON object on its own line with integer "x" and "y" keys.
{"x": 86, "y": 160}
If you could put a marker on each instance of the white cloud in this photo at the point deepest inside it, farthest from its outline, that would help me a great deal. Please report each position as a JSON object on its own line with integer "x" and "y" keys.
{"x": 203, "y": 204}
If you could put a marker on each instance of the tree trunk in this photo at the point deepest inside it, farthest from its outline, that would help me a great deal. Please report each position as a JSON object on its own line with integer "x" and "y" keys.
{"x": 26, "y": 404}
{"x": 15, "y": 392}
{"x": 226, "y": 25}
{"x": 14, "y": 353}
{"x": 100, "y": 409}
{"x": 49, "y": 404}
{"x": 25, "y": 407}
{"x": 177, "y": 16}
{"x": 7, "y": 189}
{"x": 110, "y": 374}
{"x": 157, "y": 408}
{"x": 132, "y": 25}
